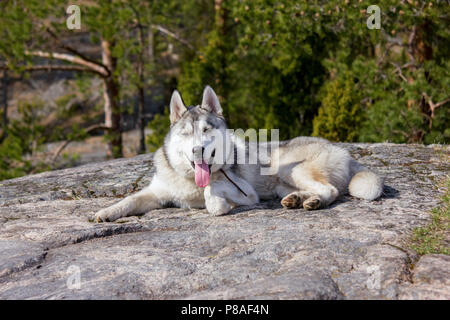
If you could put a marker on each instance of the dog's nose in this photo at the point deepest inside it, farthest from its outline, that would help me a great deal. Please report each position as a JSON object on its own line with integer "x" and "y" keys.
{"x": 198, "y": 149}
{"x": 198, "y": 153}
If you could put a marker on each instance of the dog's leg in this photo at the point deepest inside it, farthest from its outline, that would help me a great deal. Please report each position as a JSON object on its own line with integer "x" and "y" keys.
{"x": 141, "y": 202}
{"x": 283, "y": 190}
{"x": 221, "y": 195}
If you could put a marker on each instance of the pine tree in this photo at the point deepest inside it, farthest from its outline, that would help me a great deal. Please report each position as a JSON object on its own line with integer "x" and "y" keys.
{"x": 340, "y": 115}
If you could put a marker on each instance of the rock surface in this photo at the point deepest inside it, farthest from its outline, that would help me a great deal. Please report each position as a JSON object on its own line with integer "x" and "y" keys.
{"x": 352, "y": 250}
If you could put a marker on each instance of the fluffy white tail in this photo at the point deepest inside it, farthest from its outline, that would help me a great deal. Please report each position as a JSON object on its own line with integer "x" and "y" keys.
{"x": 364, "y": 184}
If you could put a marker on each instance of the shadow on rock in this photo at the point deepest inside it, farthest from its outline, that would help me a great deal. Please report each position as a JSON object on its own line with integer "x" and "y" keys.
{"x": 389, "y": 192}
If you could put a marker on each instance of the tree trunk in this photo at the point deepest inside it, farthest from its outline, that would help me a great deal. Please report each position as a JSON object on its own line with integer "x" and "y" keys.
{"x": 221, "y": 26}
{"x": 4, "y": 102}
{"x": 141, "y": 119}
{"x": 151, "y": 51}
{"x": 422, "y": 52}
{"x": 422, "y": 49}
{"x": 220, "y": 16}
{"x": 141, "y": 90}
{"x": 112, "y": 104}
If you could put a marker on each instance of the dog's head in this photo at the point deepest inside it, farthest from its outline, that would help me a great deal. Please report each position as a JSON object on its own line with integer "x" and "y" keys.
{"x": 198, "y": 143}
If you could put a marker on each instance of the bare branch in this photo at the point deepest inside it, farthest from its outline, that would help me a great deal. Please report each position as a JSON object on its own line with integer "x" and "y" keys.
{"x": 74, "y": 51}
{"x": 53, "y": 68}
{"x": 409, "y": 65}
{"x": 70, "y": 58}
{"x": 66, "y": 143}
{"x": 166, "y": 32}
{"x": 399, "y": 71}
{"x": 411, "y": 41}
{"x": 437, "y": 105}
{"x": 400, "y": 132}
{"x": 433, "y": 106}
{"x": 173, "y": 35}
{"x": 386, "y": 51}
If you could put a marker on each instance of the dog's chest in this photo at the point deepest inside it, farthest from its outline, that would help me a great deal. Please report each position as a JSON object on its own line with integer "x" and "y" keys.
{"x": 187, "y": 194}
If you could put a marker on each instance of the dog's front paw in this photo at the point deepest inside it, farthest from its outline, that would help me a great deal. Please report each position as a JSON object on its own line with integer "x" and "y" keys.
{"x": 101, "y": 216}
{"x": 219, "y": 210}
{"x": 217, "y": 206}
{"x": 105, "y": 215}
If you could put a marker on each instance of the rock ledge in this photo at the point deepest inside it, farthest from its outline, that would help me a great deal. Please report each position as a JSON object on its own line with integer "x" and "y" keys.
{"x": 353, "y": 250}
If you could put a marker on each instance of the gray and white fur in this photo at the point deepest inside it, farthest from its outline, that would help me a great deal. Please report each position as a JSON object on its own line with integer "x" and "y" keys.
{"x": 310, "y": 172}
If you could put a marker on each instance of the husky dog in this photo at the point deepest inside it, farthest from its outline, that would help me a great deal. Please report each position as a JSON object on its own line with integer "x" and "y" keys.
{"x": 196, "y": 170}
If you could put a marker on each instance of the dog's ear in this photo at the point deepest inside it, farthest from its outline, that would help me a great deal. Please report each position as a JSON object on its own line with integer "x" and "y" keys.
{"x": 210, "y": 101}
{"x": 177, "y": 107}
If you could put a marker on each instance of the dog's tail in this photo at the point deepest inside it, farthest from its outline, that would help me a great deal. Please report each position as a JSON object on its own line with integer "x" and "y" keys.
{"x": 364, "y": 184}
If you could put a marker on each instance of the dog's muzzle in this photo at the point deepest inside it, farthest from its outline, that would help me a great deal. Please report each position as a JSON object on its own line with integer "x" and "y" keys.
{"x": 198, "y": 152}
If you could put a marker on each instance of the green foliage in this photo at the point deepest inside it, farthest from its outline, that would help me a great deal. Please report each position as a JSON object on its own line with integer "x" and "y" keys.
{"x": 28, "y": 128}
{"x": 433, "y": 238}
{"x": 32, "y": 28}
{"x": 11, "y": 163}
{"x": 24, "y": 136}
{"x": 304, "y": 67}
{"x": 160, "y": 126}
{"x": 398, "y": 110}
{"x": 340, "y": 114}
{"x": 271, "y": 61}
{"x": 265, "y": 66}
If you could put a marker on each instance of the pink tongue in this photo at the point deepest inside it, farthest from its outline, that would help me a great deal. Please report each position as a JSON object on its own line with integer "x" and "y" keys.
{"x": 202, "y": 174}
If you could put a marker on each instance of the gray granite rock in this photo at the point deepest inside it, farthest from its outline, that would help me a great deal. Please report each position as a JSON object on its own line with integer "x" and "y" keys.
{"x": 430, "y": 279}
{"x": 352, "y": 250}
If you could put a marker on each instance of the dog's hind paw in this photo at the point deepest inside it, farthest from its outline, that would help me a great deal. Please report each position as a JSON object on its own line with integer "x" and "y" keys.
{"x": 291, "y": 201}
{"x": 312, "y": 203}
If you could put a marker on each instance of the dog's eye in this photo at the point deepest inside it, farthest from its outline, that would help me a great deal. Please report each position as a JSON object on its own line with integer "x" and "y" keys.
{"x": 205, "y": 129}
